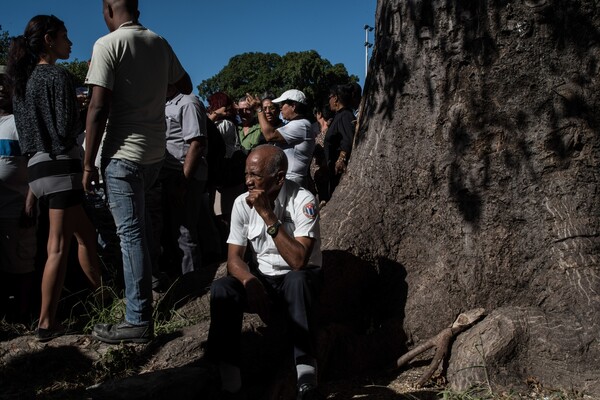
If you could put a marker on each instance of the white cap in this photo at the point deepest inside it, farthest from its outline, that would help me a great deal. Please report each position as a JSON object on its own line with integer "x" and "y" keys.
{"x": 293, "y": 95}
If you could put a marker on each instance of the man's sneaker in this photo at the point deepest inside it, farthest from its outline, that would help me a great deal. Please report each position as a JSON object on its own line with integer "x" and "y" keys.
{"x": 308, "y": 391}
{"x": 123, "y": 332}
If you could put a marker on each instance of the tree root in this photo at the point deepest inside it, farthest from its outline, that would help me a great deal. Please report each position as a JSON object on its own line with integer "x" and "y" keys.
{"x": 441, "y": 342}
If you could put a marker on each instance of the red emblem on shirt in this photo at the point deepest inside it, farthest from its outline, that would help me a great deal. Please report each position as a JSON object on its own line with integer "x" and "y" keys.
{"x": 310, "y": 210}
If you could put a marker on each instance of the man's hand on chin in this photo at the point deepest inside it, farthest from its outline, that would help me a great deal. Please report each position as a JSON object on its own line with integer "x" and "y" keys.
{"x": 259, "y": 200}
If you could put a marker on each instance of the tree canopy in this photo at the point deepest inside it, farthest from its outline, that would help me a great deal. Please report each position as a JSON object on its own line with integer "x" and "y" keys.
{"x": 258, "y": 73}
{"x": 78, "y": 69}
{"x": 4, "y": 43}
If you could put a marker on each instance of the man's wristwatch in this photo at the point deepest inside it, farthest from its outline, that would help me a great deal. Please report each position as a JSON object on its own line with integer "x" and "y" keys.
{"x": 273, "y": 229}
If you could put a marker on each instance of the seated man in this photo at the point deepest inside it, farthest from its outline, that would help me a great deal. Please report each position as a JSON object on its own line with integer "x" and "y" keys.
{"x": 279, "y": 220}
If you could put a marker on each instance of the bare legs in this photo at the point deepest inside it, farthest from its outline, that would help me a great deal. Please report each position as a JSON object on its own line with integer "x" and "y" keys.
{"x": 64, "y": 223}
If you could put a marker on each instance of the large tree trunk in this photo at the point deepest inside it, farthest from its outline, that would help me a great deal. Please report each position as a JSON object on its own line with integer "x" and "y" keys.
{"x": 474, "y": 183}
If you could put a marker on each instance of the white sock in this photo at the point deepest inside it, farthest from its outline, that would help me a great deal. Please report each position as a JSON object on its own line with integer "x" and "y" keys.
{"x": 231, "y": 378}
{"x": 307, "y": 373}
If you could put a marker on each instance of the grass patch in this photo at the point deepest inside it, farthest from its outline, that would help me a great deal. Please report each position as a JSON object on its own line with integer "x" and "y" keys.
{"x": 118, "y": 362}
{"x": 105, "y": 306}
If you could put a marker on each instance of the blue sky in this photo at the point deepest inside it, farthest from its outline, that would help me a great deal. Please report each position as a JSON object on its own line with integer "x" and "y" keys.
{"x": 206, "y": 34}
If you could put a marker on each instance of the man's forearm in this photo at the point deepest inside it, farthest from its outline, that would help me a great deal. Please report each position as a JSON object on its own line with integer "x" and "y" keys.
{"x": 295, "y": 253}
{"x": 93, "y": 137}
{"x": 193, "y": 158}
{"x": 266, "y": 128}
{"x": 239, "y": 269}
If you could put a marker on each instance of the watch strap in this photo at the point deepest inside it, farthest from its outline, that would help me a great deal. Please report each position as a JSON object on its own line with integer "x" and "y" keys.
{"x": 272, "y": 230}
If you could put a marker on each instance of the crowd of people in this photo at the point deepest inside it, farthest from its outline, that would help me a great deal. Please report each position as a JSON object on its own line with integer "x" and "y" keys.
{"x": 175, "y": 174}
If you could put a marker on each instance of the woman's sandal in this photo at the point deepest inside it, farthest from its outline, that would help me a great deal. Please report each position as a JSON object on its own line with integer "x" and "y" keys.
{"x": 44, "y": 335}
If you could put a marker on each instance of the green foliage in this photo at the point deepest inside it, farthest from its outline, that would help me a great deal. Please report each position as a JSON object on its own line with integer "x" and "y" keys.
{"x": 245, "y": 73}
{"x": 4, "y": 43}
{"x": 78, "y": 69}
{"x": 258, "y": 73}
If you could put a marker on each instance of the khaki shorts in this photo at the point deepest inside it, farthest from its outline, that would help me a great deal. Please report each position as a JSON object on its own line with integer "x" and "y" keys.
{"x": 17, "y": 247}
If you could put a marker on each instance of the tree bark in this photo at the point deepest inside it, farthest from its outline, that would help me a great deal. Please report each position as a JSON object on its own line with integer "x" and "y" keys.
{"x": 475, "y": 181}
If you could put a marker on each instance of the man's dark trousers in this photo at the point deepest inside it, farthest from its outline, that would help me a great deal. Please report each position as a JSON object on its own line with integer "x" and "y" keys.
{"x": 295, "y": 292}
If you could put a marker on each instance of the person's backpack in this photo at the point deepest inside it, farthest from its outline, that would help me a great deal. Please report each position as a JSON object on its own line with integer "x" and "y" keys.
{"x": 215, "y": 157}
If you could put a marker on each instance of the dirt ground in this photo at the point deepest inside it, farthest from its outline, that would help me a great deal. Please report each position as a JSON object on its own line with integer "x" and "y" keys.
{"x": 66, "y": 366}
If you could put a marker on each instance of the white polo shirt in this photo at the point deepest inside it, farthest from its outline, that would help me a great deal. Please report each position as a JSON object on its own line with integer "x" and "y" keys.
{"x": 296, "y": 208}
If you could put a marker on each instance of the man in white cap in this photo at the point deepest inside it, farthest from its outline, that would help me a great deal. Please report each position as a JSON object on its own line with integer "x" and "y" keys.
{"x": 295, "y": 138}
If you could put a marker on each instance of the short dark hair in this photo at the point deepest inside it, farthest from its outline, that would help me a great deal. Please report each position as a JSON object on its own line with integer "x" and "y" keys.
{"x": 325, "y": 112}
{"x": 301, "y": 109}
{"x": 132, "y": 6}
{"x": 356, "y": 95}
{"x": 344, "y": 94}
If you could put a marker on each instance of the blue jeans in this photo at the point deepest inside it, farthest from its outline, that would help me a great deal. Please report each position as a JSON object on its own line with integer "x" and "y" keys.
{"x": 126, "y": 185}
